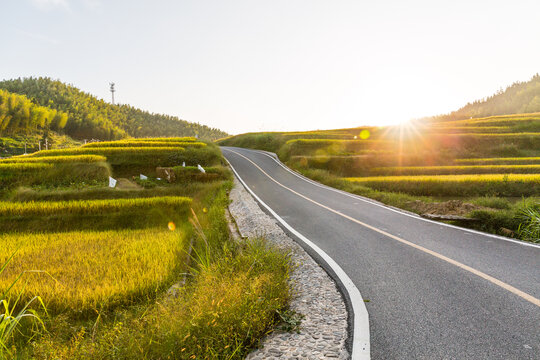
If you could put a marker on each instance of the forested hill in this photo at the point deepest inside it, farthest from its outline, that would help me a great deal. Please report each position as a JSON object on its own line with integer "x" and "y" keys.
{"x": 519, "y": 98}
{"x": 92, "y": 118}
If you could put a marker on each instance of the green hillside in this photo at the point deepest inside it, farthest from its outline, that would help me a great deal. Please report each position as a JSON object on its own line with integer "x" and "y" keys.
{"x": 91, "y": 118}
{"x": 518, "y": 98}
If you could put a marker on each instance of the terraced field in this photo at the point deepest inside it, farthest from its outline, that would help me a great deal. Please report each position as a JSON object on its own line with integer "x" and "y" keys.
{"x": 497, "y": 156}
{"x": 102, "y": 258}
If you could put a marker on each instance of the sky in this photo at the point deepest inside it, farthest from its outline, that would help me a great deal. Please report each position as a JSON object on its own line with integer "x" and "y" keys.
{"x": 279, "y": 65}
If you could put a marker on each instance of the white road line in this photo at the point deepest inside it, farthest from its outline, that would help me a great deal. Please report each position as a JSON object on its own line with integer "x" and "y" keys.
{"x": 360, "y": 338}
{"x": 370, "y": 201}
{"x": 474, "y": 271}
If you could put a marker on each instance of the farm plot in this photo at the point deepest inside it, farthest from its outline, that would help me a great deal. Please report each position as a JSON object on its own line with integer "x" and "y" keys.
{"x": 509, "y": 185}
{"x": 458, "y": 169}
{"x": 81, "y": 272}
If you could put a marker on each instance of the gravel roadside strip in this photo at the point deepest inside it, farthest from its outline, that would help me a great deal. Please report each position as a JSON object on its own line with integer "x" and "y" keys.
{"x": 323, "y": 330}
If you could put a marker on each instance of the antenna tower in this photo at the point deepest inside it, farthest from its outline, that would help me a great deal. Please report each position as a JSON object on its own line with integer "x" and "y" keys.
{"x": 112, "y": 92}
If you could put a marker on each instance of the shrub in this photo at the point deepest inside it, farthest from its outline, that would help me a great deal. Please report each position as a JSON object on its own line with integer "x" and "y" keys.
{"x": 529, "y": 218}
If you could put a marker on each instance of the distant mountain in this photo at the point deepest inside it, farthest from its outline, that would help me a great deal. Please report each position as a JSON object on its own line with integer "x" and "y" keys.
{"x": 518, "y": 98}
{"x": 91, "y": 118}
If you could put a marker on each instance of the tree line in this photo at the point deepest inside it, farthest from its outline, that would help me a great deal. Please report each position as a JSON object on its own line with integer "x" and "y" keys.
{"x": 20, "y": 115}
{"x": 91, "y": 118}
{"x": 518, "y": 98}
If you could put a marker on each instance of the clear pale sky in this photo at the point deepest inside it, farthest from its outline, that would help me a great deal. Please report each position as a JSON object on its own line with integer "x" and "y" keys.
{"x": 256, "y": 65}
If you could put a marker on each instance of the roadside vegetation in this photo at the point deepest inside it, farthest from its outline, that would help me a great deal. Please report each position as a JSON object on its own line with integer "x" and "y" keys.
{"x": 146, "y": 270}
{"x": 487, "y": 169}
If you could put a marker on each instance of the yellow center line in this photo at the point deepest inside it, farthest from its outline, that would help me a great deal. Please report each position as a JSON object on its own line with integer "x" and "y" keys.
{"x": 481, "y": 274}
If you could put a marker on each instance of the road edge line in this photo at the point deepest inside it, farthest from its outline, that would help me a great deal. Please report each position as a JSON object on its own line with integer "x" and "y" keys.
{"x": 274, "y": 157}
{"x": 360, "y": 328}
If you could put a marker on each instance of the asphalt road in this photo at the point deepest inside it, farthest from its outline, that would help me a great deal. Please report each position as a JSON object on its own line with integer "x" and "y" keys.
{"x": 435, "y": 292}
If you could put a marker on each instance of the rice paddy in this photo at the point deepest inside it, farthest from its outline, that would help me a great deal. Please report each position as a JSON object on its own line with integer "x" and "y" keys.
{"x": 84, "y": 207}
{"x": 80, "y": 272}
{"x": 148, "y": 144}
{"x": 54, "y": 159}
{"x": 457, "y": 185}
{"x": 103, "y": 258}
{"x": 457, "y": 169}
{"x": 508, "y": 160}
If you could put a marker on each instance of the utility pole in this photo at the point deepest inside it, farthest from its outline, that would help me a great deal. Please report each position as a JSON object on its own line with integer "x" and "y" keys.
{"x": 112, "y": 92}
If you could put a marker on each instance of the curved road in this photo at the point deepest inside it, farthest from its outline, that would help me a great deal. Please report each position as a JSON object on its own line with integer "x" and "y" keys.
{"x": 432, "y": 291}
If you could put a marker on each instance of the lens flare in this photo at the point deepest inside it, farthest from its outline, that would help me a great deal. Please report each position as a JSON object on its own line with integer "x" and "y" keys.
{"x": 171, "y": 226}
{"x": 364, "y": 134}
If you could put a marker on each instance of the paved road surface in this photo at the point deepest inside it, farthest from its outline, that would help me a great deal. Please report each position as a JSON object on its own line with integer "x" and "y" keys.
{"x": 435, "y": 292}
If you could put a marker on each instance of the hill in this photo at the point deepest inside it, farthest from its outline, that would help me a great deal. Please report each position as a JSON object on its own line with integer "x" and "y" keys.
{"x": 91, "y": 118}
{"x": 518, "y": 98}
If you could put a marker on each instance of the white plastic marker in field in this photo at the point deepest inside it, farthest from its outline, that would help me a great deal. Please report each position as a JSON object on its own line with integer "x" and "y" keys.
{"x": 201, "y": 168}
{"x": 112, "y": 182}
{"x": 143, "y": 177}
{"x": 183, "y": 164}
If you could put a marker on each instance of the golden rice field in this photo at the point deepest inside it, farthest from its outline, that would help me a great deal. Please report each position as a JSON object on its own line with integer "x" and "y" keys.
{"x": 84, "y": 271}
{"x": 55, "y": 159}
{"x": 111, "y": 144}
{"x": 458, "y": 169}
{"x": 456, "y": 185}
{"x": 469, "y": 128}
{"x": 108, "y": 151}
{"x": 170, "y": 139}
{"x": 495, "y": 120}
{"x": 23, "y": 166}
{"x": 516, "y": 135}
{"x": 534, "y": 178}
{"x": 507, "y": 160}
{"x": 85, "y": 207}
